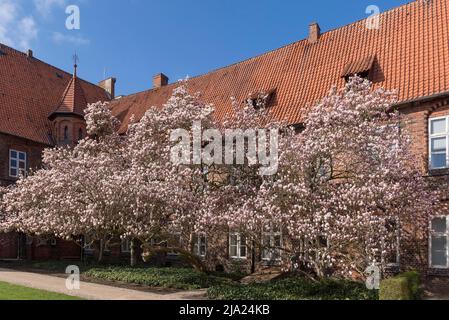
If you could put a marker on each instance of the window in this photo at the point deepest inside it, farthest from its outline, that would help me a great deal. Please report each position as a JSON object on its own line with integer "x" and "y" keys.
{"x": 272, "y": 244}
{"x": 361, "y": 68}
{"x": 80, "y": 134}
{"x": 17, "y": 163}
{"x": 66, "y": 133}
{"x": 262, "y": 99}
{"x": 88, "y": 243}
{"x": 200, "y": 245}
{"x": 439, "y": 243}
{"x": 126, "y": 245}
{"x": 175, "y": 242}
{"x": 438, "y": 142}
{"x": 237, "y": 246}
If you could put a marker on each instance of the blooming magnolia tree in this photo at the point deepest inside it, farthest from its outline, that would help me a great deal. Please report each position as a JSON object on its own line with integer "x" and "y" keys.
{"x": 110, "y": 186}
{"x": 342, "y": 191}
{"x": 167, "y": 194}
{"x": 79, "y": 191}
{"x": 348, "y": 187}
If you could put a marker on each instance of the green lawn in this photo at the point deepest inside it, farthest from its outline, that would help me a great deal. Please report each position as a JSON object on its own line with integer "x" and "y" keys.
{"x": 13, "y": 292}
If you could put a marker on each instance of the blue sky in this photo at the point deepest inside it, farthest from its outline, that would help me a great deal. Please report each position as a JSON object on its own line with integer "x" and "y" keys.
{"x": 135, "y": 39}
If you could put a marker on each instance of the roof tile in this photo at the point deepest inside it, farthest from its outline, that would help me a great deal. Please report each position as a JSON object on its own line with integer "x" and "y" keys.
{"x": 412, "y": 56}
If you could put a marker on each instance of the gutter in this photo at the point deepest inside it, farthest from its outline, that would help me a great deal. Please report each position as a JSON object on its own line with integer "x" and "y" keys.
{"x": 412, "y": 102}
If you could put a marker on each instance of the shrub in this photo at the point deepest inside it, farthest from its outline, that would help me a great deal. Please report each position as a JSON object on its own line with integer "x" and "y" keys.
{"x": 414, "y": 280}
{"x": 294, "y": 289}
{"x": 406, "y": 286}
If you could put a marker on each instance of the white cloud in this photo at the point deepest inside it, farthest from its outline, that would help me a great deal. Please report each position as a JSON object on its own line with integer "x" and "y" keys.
{"x": 28, "y": 32}
{"x": 60, "y": 38}
{"x": 8, "y": 13}
{"x": 16, "y": 30}
{"x": 44, "y": 7}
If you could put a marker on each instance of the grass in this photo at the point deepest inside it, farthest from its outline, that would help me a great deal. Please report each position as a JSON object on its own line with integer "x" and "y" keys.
{"x": 14, "y": 292}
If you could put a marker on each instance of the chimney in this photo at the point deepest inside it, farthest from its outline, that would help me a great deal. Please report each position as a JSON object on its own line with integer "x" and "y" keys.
{"x": 109, "y": 86}
{"x": 314, "y": 32}
{"x": 30, "y": 53}
{"x": 160, "y": 80}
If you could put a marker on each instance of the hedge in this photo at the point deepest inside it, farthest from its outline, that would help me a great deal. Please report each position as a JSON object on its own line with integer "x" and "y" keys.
{"x": 406, "y": 286}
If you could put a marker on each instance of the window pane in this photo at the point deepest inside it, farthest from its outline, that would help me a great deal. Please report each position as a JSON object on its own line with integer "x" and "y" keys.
{"x": 439, "y": 251}
{"x": 438, "y": 126}
{"x": 233, "y": 240}
{"x": 22, "y": 165}
{"x": 439, "y": 160}
{"x": 439, "y": 145}
{"x": 13, "y": 173}
{"x": 277, "y": 241}
{"x": 233, "y": 251}
{"x": 439, "y": 225}
{"x": 243, "y": 251}
{"x": 22, "y": 156}
{"x": 265, "y": 253}
{"x": 14, "y": 163}
{"x": 13, "y": 154}
{"x": 266, "y": 242}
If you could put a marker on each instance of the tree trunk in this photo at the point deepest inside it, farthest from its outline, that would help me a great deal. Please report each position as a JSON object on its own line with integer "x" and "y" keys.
{"x": 101, "y": 251}
{"x": 133, "y": 258}
{"x": 253, "y": 258}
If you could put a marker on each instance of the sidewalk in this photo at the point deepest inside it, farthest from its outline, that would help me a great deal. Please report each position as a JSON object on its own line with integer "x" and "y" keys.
{"x": 90, "y": 291}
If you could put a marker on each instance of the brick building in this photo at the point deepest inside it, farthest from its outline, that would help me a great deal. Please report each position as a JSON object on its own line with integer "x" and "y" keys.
{"x": 409, "y": 53}
{"x": 40, "y": 107}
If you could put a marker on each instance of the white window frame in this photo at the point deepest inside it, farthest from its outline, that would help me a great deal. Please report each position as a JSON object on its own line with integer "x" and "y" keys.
{"x": 436, "y": 136}
{"x": 19, "y": 171}
{"x": 125, "y": 245}
{"x": 88, "y": 244}
{"x": 177, "y": 236}
{"x": 272, "y": 235}
{"x": 239, "y": 246}
{"x": 198, "y": 244}
{"x": 439, "y": 234}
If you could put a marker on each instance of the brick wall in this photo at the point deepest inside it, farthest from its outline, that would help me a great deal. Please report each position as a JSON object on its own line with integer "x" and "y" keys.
{"x": 33, "y": 150}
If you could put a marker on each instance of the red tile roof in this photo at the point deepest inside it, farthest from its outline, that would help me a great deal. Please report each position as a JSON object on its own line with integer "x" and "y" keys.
{"x": 73, "y": 100}
{"x": 412, "y": 56}
{"x": 30, "y": 90}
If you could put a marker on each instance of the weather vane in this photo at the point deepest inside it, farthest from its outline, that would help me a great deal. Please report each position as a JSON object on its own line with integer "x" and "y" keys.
{"x": 75, "y": 62}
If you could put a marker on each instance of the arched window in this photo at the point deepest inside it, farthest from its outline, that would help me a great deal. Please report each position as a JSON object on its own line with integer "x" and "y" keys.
{"x": 80, "y": 134}
{"x": 66, "y": 133}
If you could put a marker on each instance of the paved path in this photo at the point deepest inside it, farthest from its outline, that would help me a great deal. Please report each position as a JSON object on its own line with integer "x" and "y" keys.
{"x": 90, "y": 291}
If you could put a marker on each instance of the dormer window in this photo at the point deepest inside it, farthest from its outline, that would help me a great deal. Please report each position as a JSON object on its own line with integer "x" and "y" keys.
{"x": 361, "y": 68}
{"x": 262, "y": 99}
